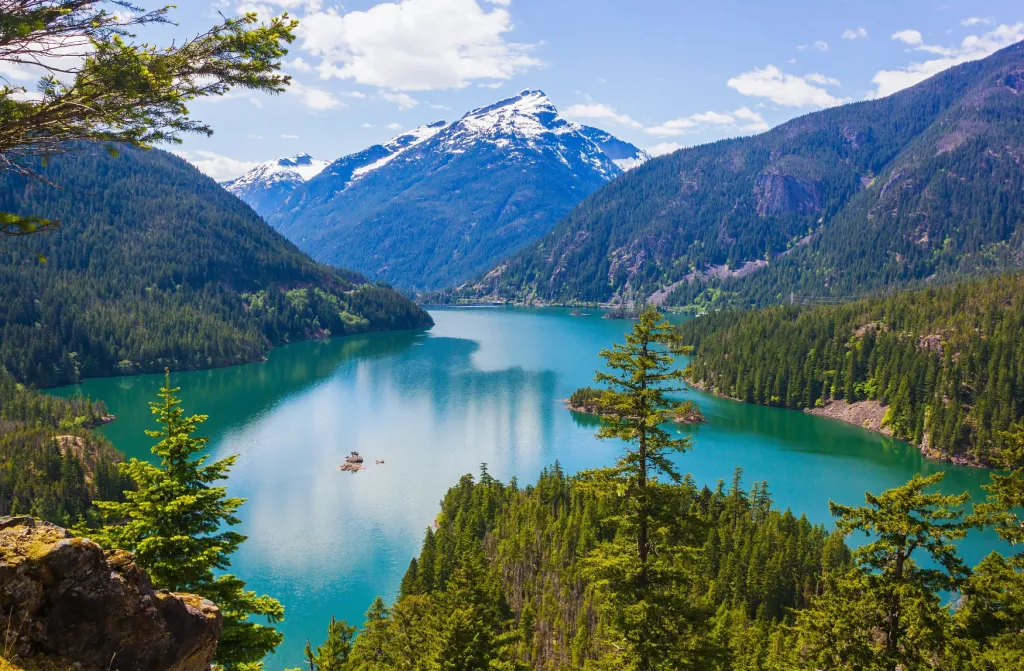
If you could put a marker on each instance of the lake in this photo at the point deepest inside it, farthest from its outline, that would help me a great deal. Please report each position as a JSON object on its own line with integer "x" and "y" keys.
{"x": 483, "y": 386}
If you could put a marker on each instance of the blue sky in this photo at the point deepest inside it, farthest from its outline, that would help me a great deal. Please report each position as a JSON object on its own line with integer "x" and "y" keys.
{"x": 659, "y": 73}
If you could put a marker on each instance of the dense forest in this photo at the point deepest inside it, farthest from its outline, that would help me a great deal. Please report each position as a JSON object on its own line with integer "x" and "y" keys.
{"x": 947, "y": 363}
{"x": 51, "y": 465}
{"x": 155, "y": 266}
{"x": 514, "y": 559}
{"x": 881, "y": 193}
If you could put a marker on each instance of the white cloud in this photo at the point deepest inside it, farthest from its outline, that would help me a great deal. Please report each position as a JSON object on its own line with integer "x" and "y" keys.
{"x": 217, "y": 166}
{"x": 368, "y": 125}
{"x": 821, "y": 45}
{"x": 855, "y": 34}
{"x": 286, "y": 136}
{"x": 395, "y": 126}
{"x": 743, "y": 120}
{"x": 818, "y": 78}
{"x": 971, "y": 48}
{"x": 314, "y": 98}
{"x": 403, "y": 100}
{"x": 783, "y": 89}
{"x": 298, "y": 65}
{"x": 416, "y": 45}
{"x": 975, "y": 21}
{"x": 663, "y": 148}
{"x": 911, "y": 37}
{"x": 601, "y": 113}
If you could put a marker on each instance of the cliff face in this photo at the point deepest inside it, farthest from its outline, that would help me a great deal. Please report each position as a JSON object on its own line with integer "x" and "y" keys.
{"x": 65, "y": 603}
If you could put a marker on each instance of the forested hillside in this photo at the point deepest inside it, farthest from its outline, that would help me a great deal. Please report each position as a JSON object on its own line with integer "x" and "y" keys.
{"x": 51, "y": 465}
{"x": 513, "y": 559}
{"x": 922, "y": 184}
{"x": 948, "y": 363}
{"x": 156, "y": 266}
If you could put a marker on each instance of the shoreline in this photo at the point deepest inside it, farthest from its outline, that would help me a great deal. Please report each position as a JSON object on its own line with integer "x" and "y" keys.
{"x": 218, "y": 366}
{"x": 866, "y": 415}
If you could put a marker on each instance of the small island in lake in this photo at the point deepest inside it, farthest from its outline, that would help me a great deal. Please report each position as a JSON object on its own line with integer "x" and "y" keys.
{"x": 688, "y": 412}
{"x": 587, "y": 400}
{"x": 590, "y": 401}
{"x": 353, "y": 463}
{"x": 622, "y": 313}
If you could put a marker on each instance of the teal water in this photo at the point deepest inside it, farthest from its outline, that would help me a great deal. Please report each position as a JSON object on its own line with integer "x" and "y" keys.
{"x": 484, "y": 385}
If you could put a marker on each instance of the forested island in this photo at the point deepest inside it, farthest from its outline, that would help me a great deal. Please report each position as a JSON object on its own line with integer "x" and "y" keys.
{"x": 942, "y": 366}
{"x": 590, "y": 401}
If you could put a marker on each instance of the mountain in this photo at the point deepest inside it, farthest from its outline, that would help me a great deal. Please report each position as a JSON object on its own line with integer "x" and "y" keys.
{"x": 156, "y": 265}
{"x": 269, "y": 184}
{"x": 921, "y": 185}
{"x": 440, "y": 204}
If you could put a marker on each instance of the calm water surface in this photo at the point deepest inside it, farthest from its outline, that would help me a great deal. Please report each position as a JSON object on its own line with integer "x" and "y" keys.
{"x": 484, "y": 385}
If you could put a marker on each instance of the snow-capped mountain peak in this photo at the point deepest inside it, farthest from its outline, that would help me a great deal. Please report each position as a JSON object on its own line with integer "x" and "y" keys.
{"x": 298, "y": 168}
{"x": 269, "y": 183}
{"x": 436, "y": 204}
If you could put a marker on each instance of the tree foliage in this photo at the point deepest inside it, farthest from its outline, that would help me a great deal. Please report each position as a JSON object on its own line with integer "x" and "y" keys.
{"x": 178, "y": 525}
{"x": 95, "y": 82}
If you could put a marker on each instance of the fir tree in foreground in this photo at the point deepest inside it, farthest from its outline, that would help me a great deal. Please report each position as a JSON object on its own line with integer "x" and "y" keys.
{"x": 645, "y": 567}
{"x": 889, "y": 609}
{"x": 177, "y": 523}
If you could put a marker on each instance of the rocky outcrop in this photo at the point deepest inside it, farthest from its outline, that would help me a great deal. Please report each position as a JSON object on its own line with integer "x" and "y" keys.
{"x": 867, "y": 414}
{"x": 67, "y": 604}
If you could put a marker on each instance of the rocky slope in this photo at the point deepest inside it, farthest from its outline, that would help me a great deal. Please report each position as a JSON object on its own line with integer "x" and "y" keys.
{"x": 886, "y": 192}
{"x": 441, "y": 203}
{"x": 66, "y": 604}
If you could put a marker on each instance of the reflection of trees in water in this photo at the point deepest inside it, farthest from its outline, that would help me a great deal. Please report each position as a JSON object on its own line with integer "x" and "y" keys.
{"x": 233, "y": 396}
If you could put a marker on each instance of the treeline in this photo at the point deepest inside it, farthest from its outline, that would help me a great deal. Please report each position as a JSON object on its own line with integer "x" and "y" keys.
{"x": 51, "y": 465}
{"x": 947, "y": 363}
{"x": 155, "y": 266}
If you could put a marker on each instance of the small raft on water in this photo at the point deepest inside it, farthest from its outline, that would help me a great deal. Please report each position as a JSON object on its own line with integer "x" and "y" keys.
{"x": 353, "y": 463}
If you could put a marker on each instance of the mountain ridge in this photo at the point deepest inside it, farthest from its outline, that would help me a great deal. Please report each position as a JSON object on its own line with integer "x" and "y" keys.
{"x": 755, "y": 218}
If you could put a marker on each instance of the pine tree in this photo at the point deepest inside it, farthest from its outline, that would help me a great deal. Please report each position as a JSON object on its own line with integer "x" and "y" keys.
{"x": 886, "y": 613}
{"x": 644, "y": 570}
{"x": 333, "y": 653}
{"x": 371, "y": 651}
{"x": 177, "y": 524}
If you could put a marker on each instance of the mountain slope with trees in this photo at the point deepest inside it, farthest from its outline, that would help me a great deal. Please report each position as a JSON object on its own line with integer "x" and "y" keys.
{"x": 947, "y": 364}
{"x": 922, "y": 184}
{"x": 155, "y": 265}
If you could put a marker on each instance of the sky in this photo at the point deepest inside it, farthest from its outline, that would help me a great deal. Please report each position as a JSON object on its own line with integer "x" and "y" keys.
{"x": 661, "y": 74}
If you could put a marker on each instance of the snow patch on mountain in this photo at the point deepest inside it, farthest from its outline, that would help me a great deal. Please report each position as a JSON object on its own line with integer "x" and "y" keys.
{"x": 298, "y": 168}
{"x": 399, "y": 144}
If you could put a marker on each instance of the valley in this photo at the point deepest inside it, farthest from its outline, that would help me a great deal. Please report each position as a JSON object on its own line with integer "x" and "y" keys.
{"x": 483, "y": 385}
{"x": 716, "y": 366}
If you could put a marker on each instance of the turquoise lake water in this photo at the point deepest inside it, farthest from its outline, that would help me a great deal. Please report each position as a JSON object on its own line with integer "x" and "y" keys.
{"x": 484, "y": 385}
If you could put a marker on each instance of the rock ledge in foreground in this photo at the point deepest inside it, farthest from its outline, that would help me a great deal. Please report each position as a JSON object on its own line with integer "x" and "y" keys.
{"x": 72, "y": 605}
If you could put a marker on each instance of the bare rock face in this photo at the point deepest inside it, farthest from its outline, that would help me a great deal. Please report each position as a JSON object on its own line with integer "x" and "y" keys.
{"x": 66, "y": 603}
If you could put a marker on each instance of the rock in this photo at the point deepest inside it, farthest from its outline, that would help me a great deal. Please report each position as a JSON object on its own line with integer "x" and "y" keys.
{"x": 68, "y": 604}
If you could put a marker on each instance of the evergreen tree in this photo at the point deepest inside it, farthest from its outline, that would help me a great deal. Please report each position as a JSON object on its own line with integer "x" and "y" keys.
{"x": 96, "y": 83}
{"x": 886, "y": 613}
{"x": 333, "y": 653}
{"x": 177, "y": 524}
{"x": 644, "y": 568}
